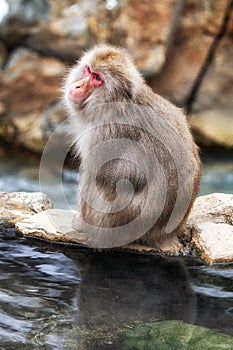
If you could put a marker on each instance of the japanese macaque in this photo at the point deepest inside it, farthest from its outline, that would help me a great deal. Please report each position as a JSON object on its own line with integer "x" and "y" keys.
{"x": 140, "y": 167}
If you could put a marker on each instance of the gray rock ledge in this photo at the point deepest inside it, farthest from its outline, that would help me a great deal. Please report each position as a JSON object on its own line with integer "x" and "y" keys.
{"x": 208, "y": 232}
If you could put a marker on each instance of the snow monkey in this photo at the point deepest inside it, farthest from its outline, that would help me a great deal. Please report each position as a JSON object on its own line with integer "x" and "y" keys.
{"x": 140, "y": 167}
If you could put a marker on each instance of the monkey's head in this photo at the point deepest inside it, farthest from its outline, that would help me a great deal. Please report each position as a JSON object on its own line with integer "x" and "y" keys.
{"x": 104, "y": 74}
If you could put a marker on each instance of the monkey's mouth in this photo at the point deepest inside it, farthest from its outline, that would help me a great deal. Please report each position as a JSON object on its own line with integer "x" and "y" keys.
{"x": 74, "y": 98}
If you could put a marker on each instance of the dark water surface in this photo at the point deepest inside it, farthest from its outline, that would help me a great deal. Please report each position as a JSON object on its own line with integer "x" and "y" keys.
{"x": 54, "y": 296}
{"x": 59, "y": 297}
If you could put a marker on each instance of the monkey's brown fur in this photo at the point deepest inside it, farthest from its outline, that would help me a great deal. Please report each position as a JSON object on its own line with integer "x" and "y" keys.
{"x": 106, "y": 114}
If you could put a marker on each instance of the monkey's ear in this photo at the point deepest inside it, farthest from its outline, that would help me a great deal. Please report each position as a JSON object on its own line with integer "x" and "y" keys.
{"x": 86, "y": 71}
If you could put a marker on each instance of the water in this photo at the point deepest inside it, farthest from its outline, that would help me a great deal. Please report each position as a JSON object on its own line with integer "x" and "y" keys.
{"x": 54, "y": 296}
{"x": 19, "y": 174}
{"x": 23, "y": 175}
{"x": 217, "y": 175}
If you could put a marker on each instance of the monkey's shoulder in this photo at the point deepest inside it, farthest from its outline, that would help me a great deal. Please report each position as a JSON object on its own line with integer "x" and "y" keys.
{"x": 148, "y": 98}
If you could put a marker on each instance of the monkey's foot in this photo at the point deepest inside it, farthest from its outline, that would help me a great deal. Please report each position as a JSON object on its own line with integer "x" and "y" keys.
{"x": 170, "y": 244}
{"x": 77, "y": 223}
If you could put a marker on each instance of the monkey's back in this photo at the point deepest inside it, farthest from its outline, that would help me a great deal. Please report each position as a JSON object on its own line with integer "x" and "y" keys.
{"x": 143, "y": 163}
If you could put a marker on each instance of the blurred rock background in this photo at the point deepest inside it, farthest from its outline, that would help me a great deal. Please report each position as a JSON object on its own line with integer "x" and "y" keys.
{"x": 184, "y": 48}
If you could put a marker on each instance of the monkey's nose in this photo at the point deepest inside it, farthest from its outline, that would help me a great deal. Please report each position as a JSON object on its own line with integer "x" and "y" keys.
{"x": 79, "y": 89}
{"x": 80, "y": 83}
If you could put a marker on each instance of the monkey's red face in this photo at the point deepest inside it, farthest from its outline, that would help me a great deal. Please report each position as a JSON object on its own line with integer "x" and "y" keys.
{"x": 82, "y": 88}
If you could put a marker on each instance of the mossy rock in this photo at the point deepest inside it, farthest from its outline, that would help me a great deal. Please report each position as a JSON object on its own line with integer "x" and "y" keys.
{"x": 175, "y": 335}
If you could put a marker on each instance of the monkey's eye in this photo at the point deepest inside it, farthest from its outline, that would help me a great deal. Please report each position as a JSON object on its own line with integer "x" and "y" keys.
{"x": 97, "y": 80}
{"x": 86, "y": 71}
{"x": 97, "y": 77}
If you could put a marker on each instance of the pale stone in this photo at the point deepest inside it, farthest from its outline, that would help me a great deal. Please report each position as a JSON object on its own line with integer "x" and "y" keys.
{"x": 214, "y": 241}
{"x": 16, "y": 206}
{"x": 211, "y": 224}
{"x": 215, "y": 207}
{"x": 52, "y": 225}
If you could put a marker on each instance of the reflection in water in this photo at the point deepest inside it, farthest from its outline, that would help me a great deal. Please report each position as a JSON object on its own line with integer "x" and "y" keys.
{"x": 123, "y": 288}
{"x": 60, "y": 297}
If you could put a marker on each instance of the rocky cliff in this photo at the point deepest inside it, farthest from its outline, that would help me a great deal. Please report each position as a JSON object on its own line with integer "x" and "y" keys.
{"x": 184, "y": 49}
